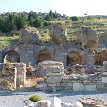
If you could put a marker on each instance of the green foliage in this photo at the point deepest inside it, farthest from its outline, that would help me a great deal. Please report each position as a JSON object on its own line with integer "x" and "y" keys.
{"x": 45, "y": 35}
{"x": 16, "y": 21}
{"x": 7, "y": 40}
{"x": 38, "y": 23}
{"x": 74, "y": 18}
{"x": 7, "y": 64}
{"x": 35, "y": 98}
{"x": 20, "y": 22}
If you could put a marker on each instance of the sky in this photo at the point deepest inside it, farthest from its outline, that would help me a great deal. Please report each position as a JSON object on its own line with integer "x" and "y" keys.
{"x": 68, "y": 7}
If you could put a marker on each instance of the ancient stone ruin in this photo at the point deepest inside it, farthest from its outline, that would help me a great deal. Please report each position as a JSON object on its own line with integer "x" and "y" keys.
{"x": 64, "y": 65}
{"x": 12, "y": 76}
{"x": 82, "y": 78}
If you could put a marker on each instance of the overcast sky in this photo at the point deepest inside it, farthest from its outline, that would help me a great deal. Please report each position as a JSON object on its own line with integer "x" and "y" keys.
{"x": 68, "y": 7}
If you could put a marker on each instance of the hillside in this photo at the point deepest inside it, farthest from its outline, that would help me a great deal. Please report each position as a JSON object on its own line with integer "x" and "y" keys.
{"x": 97, "y": 23}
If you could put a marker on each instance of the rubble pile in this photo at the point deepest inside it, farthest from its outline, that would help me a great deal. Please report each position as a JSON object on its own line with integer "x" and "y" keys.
{"x": 89, "y": 102}
{"x": 56, "y": 80}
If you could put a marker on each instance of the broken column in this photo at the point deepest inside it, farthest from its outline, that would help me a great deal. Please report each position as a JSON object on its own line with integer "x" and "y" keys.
{"x": 21, "y": 74}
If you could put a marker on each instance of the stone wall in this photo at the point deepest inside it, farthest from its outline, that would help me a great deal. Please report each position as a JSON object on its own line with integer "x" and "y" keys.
{"x": 8, "y": 77}
{"x": 83, "y": 81}
{"x": 12, "y": 76}
{"x": 21, "y": 74}
{"x": 29, "y": 35}
{"x": 87, "y": 37}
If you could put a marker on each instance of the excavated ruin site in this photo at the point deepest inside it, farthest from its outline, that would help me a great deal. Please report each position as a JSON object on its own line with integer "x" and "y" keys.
{"x": 59, "y": 64}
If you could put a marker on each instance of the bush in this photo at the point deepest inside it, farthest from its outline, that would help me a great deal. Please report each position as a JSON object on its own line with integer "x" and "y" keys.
{"x": 35, "y": 98}
{"x": 7, "y": 64}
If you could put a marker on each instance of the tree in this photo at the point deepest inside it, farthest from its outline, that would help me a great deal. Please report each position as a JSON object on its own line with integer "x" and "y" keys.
{"x": 38, "y": 23}
{"x": 5, "y": 25}
{"x": 74, "y": 18}
{"x": 20, "y": 23}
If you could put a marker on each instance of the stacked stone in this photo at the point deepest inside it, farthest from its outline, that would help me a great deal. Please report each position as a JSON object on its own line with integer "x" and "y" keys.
{"x": 27, "y": 53}
{"x": 44, "y": 103}
{"x": 104, "y": 77}
{"x": 54, "y": 72}
{"x": 57, "y": 81}
{"x": 8, "y": 80}
{"x": 21, "y": 74}
{"x": 29, "y": 35}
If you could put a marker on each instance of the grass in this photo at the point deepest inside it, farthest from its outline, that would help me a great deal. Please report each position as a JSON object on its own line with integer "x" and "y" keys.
{"x": 99, "y": 25}
{"x": 8, "y": 40}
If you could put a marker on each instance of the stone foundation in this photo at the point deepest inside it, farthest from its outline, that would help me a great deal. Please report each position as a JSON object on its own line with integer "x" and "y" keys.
{"x": 56, "y": 80}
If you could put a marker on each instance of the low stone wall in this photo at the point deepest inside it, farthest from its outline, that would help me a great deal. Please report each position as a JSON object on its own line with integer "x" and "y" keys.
{"x": 75, "y": 83}
{"x": 57, "y": 81}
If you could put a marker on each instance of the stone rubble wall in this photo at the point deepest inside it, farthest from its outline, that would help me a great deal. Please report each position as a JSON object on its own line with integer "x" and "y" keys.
{"x": 8, "y": 78}
{"x": 12, "y": 76}
{"x": 21, "y": 74}
{"x": 57, "y": 81}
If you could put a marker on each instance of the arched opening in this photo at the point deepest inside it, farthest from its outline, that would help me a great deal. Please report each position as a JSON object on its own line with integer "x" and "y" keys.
{"x": 43, "y": 55}
{"x": 12, "y": 57}
{"x": 100, "y": 57}
{"x": 73, "y": 58}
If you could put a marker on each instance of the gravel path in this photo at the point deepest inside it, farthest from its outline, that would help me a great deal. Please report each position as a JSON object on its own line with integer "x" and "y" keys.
{"x": 16, "y": 99}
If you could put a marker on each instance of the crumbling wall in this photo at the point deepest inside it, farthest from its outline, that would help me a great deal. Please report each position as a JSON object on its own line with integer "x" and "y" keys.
{"x": 8, "y": 77}
{"x": 87, "y": 37}
{"x": 81, "y": 80}
{"x": 57, "y": 33}
{"x": 29, "y": 35}
{"x": 100, "y": 57}
{"x": 13, "y": 75}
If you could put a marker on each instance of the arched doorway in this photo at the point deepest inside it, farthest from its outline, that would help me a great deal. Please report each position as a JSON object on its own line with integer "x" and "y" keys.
{"x": 43, "y": 55}
{"x": 73, "y": 58}
{"x": 100, "y": 57}
{"x": 12, "y": 57}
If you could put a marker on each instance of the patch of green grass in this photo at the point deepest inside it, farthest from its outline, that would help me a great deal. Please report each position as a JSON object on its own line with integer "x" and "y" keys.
{"x": 8, "y": 40}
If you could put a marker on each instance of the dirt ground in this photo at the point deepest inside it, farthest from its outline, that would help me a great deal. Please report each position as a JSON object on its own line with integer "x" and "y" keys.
{"x": 32, "y": 81}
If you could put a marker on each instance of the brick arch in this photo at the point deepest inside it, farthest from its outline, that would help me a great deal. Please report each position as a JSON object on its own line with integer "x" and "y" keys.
{"x": 43, "y": 55}
{"x": 11, "y": 56}
{"x": 73, "y": 58}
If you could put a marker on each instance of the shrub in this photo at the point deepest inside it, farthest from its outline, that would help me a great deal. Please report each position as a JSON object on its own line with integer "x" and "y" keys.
{"x": 35, "y": 98}
{"x": 7, "y": 63}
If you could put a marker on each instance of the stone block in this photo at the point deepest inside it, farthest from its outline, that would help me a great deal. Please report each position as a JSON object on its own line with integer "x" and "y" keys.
{"x": 104, "y": 79}
{"x": 90, "y": 87}
{"x": 51, "y": 85}
{"x": 54, "y": 80}
{"x": 105, "y": 66}
{"x": 44, "y": 103}
{"x": 78, "y": 87}
{"x": 104, "y": 73}
{"x": 101, "y": 87}
{"x": 70, "y": 84}
{"x": 55, "y": 74}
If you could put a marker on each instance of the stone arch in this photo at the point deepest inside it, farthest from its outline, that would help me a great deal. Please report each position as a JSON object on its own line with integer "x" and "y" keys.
{"x": 12, "y": 57}
{"x": 100, "y": 57}
{"x": 73, "y": 58}
{"x": 43, "y": 55}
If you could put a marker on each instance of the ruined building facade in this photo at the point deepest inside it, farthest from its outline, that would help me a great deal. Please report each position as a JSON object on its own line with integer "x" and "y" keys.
{"x": 30, "y": 50}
